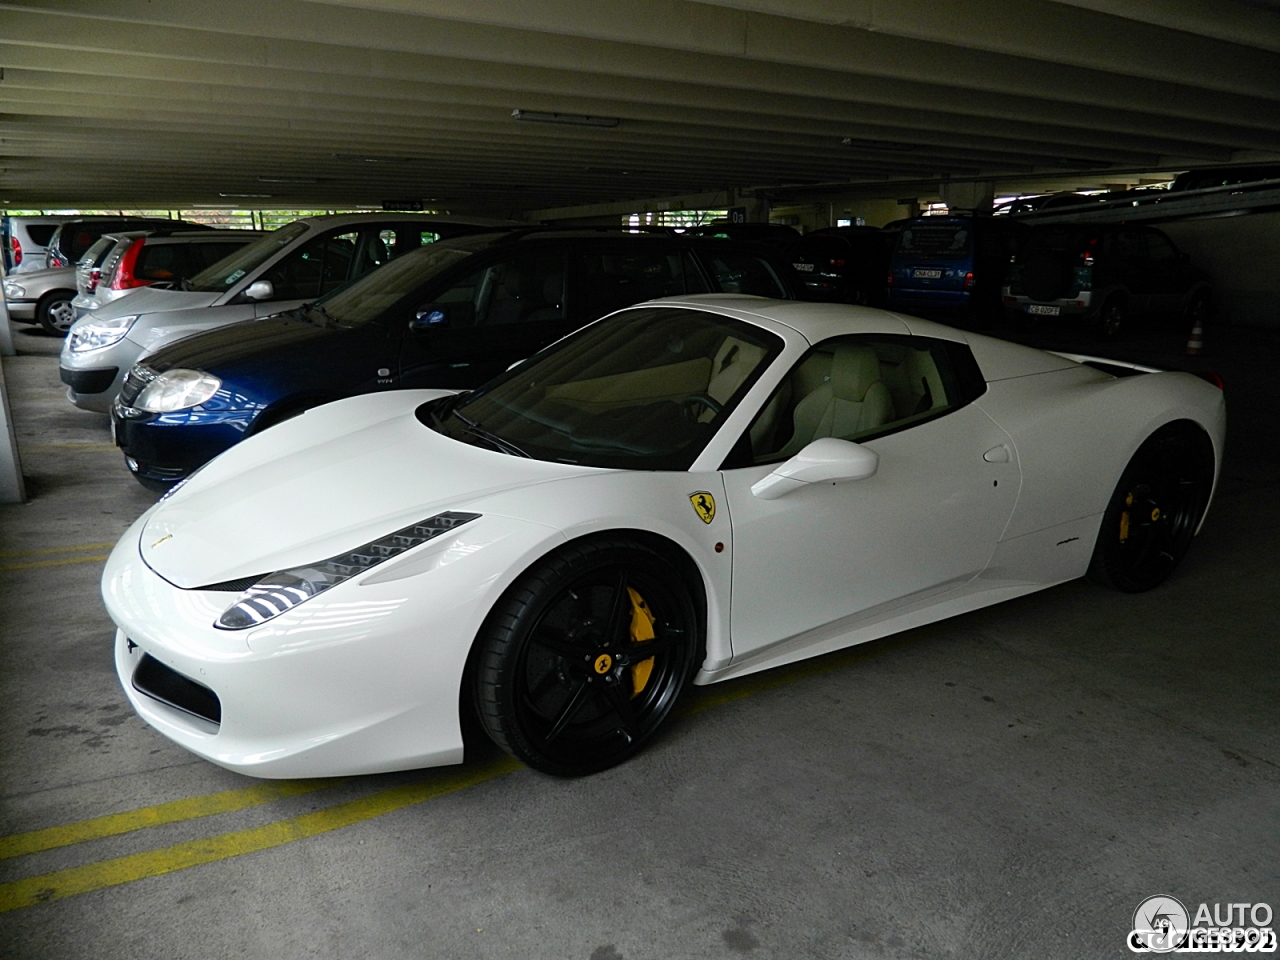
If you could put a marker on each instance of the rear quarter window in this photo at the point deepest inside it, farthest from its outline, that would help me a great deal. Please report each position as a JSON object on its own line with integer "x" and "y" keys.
{"x": 41, "y": 233}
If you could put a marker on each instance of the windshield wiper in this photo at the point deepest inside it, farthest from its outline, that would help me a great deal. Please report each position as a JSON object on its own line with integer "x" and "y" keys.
{"x": 505, "y": 446}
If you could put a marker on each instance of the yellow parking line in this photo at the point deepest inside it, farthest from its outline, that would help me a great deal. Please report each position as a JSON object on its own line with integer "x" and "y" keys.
{"x": 153, "y": 863}
{"x": 97, "y": 558}
{"x": 45, "y": 551}
{"x": 21, "y": 844}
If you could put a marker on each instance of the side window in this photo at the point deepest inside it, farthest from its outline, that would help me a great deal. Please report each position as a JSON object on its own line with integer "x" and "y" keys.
{"x": 693, "y": 282}
{"x": 159, "y": 263}
{"x": 1159, "y": 248}
{"x": 202, "y": 255}
{"x": 856, "y": 388}
{"x": 297, "y": 276}
{"x": 742, "y": 273}
{"x": 525, "y": 289}
{"x": 617, "y": 278}
{"x": 1127, "y": 245}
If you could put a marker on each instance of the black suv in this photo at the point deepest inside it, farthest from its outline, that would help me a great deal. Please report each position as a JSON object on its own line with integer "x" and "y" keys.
{"x": 73, "y": 238}
{"x": 452, "y": 314}
{"x": 1106, "y": 275}
{"x": 844, "y": 264}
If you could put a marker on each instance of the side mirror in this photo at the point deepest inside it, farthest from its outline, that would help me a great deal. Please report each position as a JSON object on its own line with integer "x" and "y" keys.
{"x": 826, "y": 460}
{"x": 430, "y": 315}
{"x": 259, "y": 290}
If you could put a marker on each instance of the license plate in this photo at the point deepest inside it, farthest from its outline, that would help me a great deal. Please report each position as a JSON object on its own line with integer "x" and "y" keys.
{"x": 1044, "y": 311}
{"x": 804, "y": 267}
{"x": 927, "y": 274}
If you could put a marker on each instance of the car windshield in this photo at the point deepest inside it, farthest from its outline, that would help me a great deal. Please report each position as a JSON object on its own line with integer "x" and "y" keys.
{"x": 229, "y": 270}
{"x": 943, "y": 241}
{"x": 644, "y": 389}
{"x": 372, "y": 295}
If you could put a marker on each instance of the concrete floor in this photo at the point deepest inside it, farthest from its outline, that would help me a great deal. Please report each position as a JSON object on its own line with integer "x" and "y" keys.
{"x": 1011, "y": 783}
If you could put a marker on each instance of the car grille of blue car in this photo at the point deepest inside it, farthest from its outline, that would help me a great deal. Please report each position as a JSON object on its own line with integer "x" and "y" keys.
{"x": 134, "y": 381}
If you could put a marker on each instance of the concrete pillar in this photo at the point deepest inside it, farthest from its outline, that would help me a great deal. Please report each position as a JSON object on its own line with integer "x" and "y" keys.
{"x": 12, "y": 489}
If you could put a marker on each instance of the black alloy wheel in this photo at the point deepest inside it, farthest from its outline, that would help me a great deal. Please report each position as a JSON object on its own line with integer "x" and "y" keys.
{"x": 585, "y": 655}
{"x": 1155, "y": 510}
{"x": 1113, "y": 318}
{"x": 55, "y": 313}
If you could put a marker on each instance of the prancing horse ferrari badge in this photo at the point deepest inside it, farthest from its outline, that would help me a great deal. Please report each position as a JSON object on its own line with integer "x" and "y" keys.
{"x": 704, "y": 505}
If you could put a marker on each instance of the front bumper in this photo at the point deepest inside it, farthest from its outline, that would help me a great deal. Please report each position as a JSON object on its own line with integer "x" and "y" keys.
{"x": 119, "y": 356}
{"x": 170, "y": 447}
{"x": 362, "y": 679}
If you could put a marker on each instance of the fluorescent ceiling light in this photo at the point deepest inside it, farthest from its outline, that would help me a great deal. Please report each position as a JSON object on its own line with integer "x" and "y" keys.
{"x": 576, "y": 119}
{"x": 288, "y": 180}
{"x": 255, "y": 196}
{"x": 360, "y": 158}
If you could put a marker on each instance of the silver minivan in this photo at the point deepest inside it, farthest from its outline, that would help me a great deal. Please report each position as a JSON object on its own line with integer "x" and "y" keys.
{"x": 25, "y": 240}
{"x": 288, "y": 267}
{"x": 132, "y": 261}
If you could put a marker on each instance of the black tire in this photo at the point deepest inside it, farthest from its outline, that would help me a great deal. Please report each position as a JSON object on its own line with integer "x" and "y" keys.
{"x": 1157, "y": 505}
{"x": 55, "y": 313}
{"x": 1113, "y": 318}
{"x": 560, "y": 680}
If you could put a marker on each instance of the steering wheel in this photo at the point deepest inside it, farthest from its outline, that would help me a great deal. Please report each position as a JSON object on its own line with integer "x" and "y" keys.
{"x": 699, "y": 399}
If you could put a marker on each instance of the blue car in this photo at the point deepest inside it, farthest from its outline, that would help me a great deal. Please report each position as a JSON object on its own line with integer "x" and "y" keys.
{"x": 952, "y": 267}
{"x": 453, "y": 314}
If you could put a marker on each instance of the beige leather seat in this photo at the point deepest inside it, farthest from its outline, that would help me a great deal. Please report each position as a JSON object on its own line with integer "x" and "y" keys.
{"x": 924, "y": 381}
{"x": 851, "y": 403}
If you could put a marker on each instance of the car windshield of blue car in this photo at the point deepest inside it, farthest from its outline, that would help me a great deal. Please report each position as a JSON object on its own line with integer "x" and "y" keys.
{"x": 231, "y": 269}
{"x": 943, "y": 241}
{"x": 645, "y": 389}
{"x": 372, "y": 295}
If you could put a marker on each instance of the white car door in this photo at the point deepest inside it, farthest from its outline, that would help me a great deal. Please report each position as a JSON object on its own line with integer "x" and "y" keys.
{"x": 928, "y": 519}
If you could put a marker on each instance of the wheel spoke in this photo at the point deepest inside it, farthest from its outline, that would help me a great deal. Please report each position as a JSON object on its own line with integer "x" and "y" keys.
{"x": 620, "y": 611}
{"x": 551, "y": 639}
{"x": 568, "y": 712}
{"x": 620, "y": 704}
{"x": 664, "y": 641}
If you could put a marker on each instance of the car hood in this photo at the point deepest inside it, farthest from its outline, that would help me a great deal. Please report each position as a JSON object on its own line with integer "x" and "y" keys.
{"x": 323, "y": 483}
{"x": 151, "y": 300}
{"x": 222, "y": 347}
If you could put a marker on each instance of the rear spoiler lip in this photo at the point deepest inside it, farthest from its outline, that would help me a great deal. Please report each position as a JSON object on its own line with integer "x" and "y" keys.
{"x": 1106, "y": 362}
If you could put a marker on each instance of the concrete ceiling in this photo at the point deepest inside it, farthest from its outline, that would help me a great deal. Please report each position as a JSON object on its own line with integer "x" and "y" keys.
{"x": 354, "y": 102}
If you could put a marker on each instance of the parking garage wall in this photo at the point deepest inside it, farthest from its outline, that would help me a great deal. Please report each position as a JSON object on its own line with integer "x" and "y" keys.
{"x": 1240, "y": 254}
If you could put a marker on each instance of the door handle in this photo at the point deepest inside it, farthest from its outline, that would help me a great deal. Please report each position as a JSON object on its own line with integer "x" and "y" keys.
{"x": 998, "y": 454}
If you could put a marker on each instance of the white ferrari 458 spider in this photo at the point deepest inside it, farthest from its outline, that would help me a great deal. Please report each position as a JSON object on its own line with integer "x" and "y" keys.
{"x": 685, "y": 491}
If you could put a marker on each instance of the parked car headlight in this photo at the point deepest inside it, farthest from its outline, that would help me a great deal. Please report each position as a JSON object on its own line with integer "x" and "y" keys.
{"x": 283, "y": 590}
{"x": 96, "y": 334}
{"x": 177, "y": 389}
{"x": 14, "y": 291}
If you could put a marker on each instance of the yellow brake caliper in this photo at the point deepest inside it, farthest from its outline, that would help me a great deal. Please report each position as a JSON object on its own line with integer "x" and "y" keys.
{"x": 1124, "y": 518}
{"x": 641, "y": 631}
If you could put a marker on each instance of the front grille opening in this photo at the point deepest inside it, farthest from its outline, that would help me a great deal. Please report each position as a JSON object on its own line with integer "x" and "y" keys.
{"x": 170, "y": 687}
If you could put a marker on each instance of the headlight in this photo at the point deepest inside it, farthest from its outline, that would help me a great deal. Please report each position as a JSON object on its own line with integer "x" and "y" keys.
{"x": 14, "y": 291}
{"x": 97, "y": 334}
{"x": 283, "y": 590}
{"x": 177, "y": 389}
